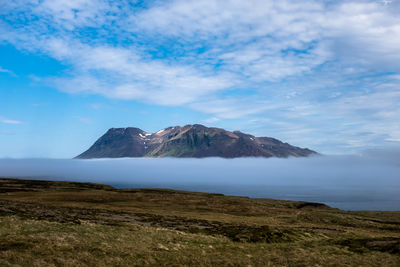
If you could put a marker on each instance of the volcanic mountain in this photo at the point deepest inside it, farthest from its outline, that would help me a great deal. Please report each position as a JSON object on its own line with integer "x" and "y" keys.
{"x": 190, "y": 141}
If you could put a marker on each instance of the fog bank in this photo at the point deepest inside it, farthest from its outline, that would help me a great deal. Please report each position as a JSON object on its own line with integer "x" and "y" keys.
{"x": 370, "y": 181}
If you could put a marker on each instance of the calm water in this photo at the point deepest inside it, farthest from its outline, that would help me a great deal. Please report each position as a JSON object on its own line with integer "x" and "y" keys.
{"x": 347, "y": 182}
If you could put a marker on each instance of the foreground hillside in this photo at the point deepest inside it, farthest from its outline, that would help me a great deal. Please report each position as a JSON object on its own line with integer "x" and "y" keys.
{"x": 190, "y": 141}
{"x": 77, "y": 224}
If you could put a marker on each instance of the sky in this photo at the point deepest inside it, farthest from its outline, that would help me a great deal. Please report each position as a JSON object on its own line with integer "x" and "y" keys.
{"x": 318, "y": 74}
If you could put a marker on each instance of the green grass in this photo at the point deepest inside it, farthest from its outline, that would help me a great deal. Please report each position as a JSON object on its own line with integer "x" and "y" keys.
{"x": 69, "y": 224}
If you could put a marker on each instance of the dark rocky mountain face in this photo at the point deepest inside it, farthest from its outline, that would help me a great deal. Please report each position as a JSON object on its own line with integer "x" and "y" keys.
{"x": 190, "y": 141}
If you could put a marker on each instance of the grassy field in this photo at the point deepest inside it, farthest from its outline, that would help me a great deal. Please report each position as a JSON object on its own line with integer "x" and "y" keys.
{"x": 76, "y": 224}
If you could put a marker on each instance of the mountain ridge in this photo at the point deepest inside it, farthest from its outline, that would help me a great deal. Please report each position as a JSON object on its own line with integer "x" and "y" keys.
{"x": 189, "y": 141}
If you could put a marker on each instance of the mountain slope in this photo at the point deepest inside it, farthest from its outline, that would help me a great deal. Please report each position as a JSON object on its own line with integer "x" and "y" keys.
{"x": 188, "y": 141}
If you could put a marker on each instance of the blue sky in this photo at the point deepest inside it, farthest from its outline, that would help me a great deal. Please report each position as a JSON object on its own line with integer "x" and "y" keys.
{"x": 317, "y": 74}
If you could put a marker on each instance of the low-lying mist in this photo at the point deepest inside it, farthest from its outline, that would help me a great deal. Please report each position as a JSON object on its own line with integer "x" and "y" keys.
{"x": 370, "y": 181}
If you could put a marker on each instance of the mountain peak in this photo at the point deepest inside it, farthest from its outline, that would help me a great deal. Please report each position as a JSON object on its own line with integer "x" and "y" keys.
{"x": 195, "y": 140}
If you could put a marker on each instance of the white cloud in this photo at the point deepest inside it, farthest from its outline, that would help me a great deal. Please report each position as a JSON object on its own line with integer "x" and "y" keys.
{"x": 256, "y": 32}
{"x": 366, "y": 33}
{"x": 121, "y": 74}
{"x": 211, "y": 120}
{"x": 7, "y": 71}
{"x": 84, "y": 120}
{"x": 74, "y": 14}
{"x": 8, "y": 121}
{"x": 253, "y": 41}
{"x": 233, "y": 108}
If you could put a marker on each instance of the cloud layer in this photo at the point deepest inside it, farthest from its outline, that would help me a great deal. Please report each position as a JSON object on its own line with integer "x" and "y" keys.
{"x": 315, "y": 68}
{"x": 368, "y": 181}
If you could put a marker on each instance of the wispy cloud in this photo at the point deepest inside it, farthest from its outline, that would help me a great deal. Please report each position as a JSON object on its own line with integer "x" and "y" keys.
{"x": 84, "y": 119}
{"x": 8, "y": 121}
{"x": 2, "y": 70}
{"x": 39, "y": 104}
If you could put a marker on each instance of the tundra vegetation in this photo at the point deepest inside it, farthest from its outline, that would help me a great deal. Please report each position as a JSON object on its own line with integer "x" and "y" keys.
{"x": 45, "y": 223}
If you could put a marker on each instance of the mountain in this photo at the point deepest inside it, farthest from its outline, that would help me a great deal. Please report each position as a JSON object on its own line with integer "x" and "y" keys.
{"x": 190, "y": 141}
